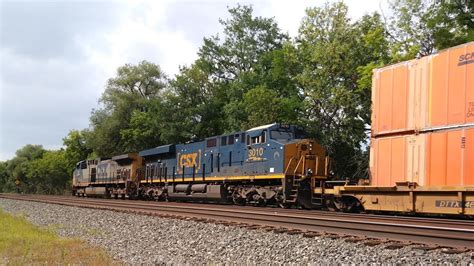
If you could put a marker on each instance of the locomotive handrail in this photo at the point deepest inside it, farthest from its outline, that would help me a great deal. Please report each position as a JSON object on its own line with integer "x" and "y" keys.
{"x": 316, "y": 165}
{"x": 288, "y": 166}
{"x": 297, "y": 165}
{"x": 327, "y": 166}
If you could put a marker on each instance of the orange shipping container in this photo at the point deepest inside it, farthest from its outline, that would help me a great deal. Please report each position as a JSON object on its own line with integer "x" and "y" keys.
{"x": 441, "y": 158}
{"x": 432, "y": 92}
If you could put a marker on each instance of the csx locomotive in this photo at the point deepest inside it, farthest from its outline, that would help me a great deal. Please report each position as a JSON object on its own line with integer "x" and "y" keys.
{"x": 272, "y": 164}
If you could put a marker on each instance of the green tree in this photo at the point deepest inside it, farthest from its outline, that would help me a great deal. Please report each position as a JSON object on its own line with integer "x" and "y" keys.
{"x": 420, "y": 27}
{"x": 36, "y": 170}
{"x": 372, "y": 50}
{"x": 76, "y": 148}
{"x": 337, "y": 57}
{"x": 18, "y": 166}
{"x": 30, "y": 152}
{"x": 6, "y": 182}
{"x": 196, "y": 103}
{"x": 49, "y": 174}
{"x": 145, "y": 128}
{"x": 264, "y": 106}
{"x": 276, "y": 72}
{"x": 250, "y": 54}
{"x": 452, "y": 22}
{"x": 246, "y": 39}
{"x": 130, "y": 91}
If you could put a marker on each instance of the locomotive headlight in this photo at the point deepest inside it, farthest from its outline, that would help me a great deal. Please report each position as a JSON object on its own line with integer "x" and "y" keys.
{"x": 309, "y": 172}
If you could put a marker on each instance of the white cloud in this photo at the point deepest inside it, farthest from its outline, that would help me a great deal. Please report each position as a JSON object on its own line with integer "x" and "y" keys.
{"x": 42, "y": 100}
{"x": 141, "y": 34}
{"x": 288, "y": 14}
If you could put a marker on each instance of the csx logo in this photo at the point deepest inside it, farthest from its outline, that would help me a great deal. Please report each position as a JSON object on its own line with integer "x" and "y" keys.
{"x": 189, "y": 160}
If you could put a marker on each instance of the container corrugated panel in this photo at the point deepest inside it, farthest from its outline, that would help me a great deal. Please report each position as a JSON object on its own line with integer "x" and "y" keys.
{"x": 450, "y": 158}
{"x": 397, "y": 159}
{"x": 390, "y": 92}
{"x": 441, "y": 158}
{"x": 419, "y": 79}
{"x": 432, "y": 92}
{"x": 452, "y": 87}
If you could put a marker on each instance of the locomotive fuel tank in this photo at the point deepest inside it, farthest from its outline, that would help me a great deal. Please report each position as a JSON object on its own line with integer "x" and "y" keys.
{"x": 198, "y": 192}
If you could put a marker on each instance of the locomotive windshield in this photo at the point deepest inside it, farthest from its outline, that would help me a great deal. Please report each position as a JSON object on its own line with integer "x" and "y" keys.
{"x": 282, "y": 134}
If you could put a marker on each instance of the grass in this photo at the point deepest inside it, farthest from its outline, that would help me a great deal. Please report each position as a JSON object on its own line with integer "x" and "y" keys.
{"x": 23, "y": 243}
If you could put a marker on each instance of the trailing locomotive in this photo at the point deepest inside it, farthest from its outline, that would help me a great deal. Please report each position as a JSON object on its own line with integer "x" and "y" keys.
{"x": 116, "y": 176}
{"x": 271, "y": 164}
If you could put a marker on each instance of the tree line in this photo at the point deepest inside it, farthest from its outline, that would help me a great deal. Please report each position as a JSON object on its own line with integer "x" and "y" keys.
{"x": 253, "y": 74}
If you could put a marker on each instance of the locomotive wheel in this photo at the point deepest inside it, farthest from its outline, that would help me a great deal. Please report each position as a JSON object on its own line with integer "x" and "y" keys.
{"x": 256, "y": 199}
{"x": 285, "y": 205}
{"x": 238, "y": 201}
{"x": 348, "y": 204}
{"x": 280, "y": 201}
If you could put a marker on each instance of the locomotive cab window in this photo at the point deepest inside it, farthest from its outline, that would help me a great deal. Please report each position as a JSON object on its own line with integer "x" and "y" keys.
{"x": 242, "y": 137}
{"x": 300, "y": 134}
{"x": 211, "y": 143}
{"x": 281, "y": 134}
{"x": 257, "y": 139}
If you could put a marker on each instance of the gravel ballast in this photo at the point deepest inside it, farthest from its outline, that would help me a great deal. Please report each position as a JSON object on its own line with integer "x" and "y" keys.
{"x": 150, "y": 240}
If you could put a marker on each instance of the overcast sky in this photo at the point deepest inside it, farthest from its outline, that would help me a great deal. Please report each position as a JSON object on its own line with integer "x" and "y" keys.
{"x": 55, "y": 56}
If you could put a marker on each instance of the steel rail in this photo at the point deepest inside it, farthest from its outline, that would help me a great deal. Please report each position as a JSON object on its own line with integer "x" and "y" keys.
{"x": 463, "y": 224}
{"x": 407, "y": 220}
{"x": 449, "y": 233}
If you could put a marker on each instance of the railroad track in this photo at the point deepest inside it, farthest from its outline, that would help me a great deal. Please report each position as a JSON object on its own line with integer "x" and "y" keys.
{"x": 393, "y": 231}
